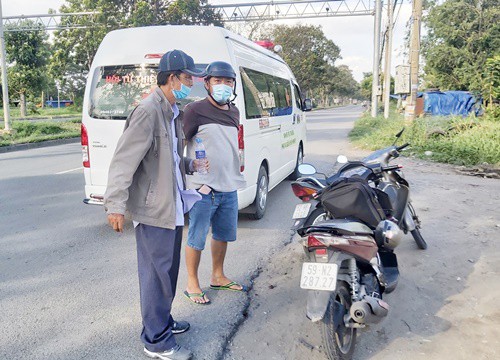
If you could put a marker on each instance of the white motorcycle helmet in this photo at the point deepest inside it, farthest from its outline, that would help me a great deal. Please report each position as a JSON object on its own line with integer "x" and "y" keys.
{"x": 388, "y": 234}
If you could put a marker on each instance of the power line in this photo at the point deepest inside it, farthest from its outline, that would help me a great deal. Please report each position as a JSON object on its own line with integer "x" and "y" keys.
{"x": 280, "y": 10}
{"x": 250, "y": 11}
{"x": 57, "y": 21}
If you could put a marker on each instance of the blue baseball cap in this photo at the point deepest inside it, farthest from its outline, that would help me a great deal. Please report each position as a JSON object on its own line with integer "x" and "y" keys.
{"x": 178, "y": 60}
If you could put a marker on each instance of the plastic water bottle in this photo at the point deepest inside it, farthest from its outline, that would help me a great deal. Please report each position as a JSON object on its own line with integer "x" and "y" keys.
{"x": 200, "y": 155}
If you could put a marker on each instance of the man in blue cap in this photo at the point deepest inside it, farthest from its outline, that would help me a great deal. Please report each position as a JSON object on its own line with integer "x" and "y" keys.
{"x": 147, "y": 180}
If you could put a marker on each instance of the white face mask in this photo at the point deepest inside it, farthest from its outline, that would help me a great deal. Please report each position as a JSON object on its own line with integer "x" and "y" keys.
{"x": 221, "y": 93}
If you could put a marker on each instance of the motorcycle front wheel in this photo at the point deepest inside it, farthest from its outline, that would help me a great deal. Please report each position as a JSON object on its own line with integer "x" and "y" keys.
{"x": 339, "y": 341}
{"x": 417, "y": 236}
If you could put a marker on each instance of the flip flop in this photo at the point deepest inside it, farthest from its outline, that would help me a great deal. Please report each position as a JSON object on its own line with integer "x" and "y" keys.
{"x": 228, "y": 287}
{"x": 189, "y": 296}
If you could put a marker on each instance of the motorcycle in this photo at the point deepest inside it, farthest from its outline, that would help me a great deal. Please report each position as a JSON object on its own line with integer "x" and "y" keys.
{"x": 392, "y": 183}
{"x": 395, "y": 185}
{"x": 351, "y": 262}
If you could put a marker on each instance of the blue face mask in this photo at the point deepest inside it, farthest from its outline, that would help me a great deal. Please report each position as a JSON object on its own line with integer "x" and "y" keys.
{"x": 221, "y": 93}
{"x": 182, "y": 93}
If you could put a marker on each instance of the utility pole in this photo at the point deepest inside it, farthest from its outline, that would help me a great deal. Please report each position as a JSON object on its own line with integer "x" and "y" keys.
{"x": 414, "y": 59}
{"x": 387, "y": 63}
{"x": 58, "y": 86}
{"x": 376, "y": 54}
{"x": 5, "y": 89}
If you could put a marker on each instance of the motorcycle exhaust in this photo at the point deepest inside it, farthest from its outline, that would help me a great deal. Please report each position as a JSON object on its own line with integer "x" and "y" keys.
{"x": 370, "y": 310}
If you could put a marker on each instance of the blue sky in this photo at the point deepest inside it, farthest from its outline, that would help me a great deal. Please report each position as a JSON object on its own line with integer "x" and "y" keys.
{"x": 353, "y": 34}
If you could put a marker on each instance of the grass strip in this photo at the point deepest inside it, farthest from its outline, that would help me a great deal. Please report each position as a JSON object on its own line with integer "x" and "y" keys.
{"x": 453, "y": 139}
{"x": 15, "y": 112}
{"x": 30, "y": 132}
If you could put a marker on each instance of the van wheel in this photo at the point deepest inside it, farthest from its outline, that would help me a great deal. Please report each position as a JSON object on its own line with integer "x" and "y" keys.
{"x": 261, "y": 195}
{"x": 300, "y": 159}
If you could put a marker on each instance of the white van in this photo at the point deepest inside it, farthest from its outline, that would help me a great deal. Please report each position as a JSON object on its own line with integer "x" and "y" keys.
{"x": 273, "y": 125}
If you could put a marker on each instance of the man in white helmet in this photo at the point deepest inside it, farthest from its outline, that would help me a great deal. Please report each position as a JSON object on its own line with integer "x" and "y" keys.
{"x": 213, "y": 121}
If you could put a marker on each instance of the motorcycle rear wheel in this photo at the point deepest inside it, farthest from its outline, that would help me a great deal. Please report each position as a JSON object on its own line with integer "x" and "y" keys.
{"x": 340, "y": 342}
{"x": 317, "y": 215}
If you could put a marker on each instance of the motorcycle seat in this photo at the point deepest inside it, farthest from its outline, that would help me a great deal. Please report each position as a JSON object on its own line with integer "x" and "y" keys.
{"x": 341, "y": 226}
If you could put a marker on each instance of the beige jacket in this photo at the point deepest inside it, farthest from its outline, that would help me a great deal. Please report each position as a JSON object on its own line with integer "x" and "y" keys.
{"x": 141, "y": 178}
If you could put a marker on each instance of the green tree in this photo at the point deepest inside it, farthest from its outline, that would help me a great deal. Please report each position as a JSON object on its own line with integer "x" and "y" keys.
{"x": 27, "y": 52}
{"x": 145, "y": 13}
{"x": 342, "y": 82}
{"x": 492, "y": 80}
{"x": 308, "y": 53}
{"x": 366, "y": 85}
{"x": 462, "y": 34}
{"x": 188, "y": 12}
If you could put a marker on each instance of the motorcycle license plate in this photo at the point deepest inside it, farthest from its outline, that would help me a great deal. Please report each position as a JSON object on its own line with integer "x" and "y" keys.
{"x": 301, "y": 211}
{"x": 319, "y": 276}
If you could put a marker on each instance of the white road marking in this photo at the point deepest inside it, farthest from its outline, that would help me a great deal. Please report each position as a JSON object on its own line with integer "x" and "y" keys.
{"x": 67, "y": 171}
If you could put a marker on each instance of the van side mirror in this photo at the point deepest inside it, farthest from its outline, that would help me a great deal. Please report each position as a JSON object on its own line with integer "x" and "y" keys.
{"x": 307, "y": 105}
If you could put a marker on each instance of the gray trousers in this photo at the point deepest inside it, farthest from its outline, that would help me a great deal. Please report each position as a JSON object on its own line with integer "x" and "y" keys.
{"x": 158, "y": 257}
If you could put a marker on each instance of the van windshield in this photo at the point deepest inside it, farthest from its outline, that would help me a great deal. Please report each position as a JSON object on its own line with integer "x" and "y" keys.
{"x": 117, "y": 90}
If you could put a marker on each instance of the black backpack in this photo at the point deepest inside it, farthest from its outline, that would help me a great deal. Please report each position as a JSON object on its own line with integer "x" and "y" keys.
{"x": 353, "y": 198}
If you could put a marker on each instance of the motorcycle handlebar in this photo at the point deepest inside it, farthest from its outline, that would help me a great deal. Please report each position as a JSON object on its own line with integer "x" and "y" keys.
{"x": 390, "y": 168}
{"x": 399, "y": 148}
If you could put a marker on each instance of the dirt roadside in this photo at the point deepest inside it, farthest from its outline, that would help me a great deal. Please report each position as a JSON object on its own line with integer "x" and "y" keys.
{"x": 446, "y": 304}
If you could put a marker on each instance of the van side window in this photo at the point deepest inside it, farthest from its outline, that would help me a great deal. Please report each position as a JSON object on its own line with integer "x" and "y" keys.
{"x": 265, "y": 95}
{"x": 298, "y": 99}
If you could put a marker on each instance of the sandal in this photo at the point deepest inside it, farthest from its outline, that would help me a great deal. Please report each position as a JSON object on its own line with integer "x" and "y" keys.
{"x": 228, "y": 287}
{"x": 201, "y": 295}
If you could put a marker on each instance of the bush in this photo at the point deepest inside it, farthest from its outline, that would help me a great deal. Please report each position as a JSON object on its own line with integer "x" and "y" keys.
{"x": 493, "y": 114}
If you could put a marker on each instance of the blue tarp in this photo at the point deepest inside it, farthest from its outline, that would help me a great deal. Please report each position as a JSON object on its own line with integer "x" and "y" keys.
{"x": 62, "y": 103}
{"x": 449, "y": 103}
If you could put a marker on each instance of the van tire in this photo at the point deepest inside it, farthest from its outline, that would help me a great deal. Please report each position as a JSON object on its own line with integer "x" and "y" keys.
{"x": 300, "y": 159}
{"x": 260, "y": 203}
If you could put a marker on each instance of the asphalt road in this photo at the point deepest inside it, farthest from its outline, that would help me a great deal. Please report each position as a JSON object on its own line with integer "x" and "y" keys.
{"x": 68, "y": 284}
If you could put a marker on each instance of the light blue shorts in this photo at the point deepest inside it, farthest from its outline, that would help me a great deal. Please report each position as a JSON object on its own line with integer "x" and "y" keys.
{"x": 219, "y": 209}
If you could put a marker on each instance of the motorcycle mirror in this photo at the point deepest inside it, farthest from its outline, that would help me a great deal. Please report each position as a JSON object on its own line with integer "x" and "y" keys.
{"x": 307, "y": 169}
{"x": 398, "y": 135}
{"x": 342, "y": 159}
